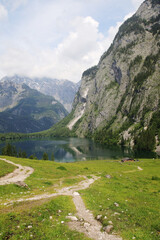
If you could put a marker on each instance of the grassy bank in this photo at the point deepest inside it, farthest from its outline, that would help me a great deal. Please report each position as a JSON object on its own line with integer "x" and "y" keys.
{"x": 130, "y": 199}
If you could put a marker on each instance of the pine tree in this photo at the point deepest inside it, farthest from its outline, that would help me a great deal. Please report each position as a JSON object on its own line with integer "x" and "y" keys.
{"x": 52, "y": 157}
{"x": 45, "y": 156}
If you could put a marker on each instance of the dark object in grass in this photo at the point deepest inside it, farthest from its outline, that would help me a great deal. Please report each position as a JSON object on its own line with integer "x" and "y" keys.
{"x": 128, "y": 160}
{"x": 62, "y": 168}
{"x": 86, "y": 168}
{"x": 155, "y": 178}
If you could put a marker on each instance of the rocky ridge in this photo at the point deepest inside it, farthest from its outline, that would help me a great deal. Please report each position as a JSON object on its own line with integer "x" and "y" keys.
{"x": 62, "y": 90}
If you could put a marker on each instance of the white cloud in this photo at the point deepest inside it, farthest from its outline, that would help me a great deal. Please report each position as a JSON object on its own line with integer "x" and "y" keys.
{"x": 3, "y": 12}
{"x": 14, "y": 4}
{"x": 78, "y": 51}
{"x": 54, "y": 38}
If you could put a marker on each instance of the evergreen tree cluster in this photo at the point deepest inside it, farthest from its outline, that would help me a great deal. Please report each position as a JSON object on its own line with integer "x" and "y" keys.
{"x": 10, "y": 150}
{"x": 145, "y": 140}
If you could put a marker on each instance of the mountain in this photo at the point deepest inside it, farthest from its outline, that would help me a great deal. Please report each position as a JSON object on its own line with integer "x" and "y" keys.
{"x": 62, "y": 90}
{"x": 119, "y": 99}
{"x": 26, "y": 110}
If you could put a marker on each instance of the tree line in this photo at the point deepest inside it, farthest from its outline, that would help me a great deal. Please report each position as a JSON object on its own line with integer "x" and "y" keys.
{"x": 10, "y": 150}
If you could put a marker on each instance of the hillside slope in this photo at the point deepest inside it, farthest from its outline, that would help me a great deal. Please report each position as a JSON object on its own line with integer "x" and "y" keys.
{"x": 121, "y": 95}
{"x": 25, "y": 110}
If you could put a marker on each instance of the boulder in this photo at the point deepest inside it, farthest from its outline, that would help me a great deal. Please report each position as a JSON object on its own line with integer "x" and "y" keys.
{"x": 108, "y": 228}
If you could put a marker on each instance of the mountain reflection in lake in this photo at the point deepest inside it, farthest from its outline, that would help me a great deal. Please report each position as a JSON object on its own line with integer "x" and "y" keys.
{"x": 73, "y": 149}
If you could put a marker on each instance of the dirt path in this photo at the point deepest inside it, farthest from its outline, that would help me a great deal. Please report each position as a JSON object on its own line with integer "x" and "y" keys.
{"x": 84, "y": 220}
{"x": 18, "y": 175}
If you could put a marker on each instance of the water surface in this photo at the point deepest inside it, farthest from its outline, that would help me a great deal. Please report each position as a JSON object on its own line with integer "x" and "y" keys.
{"x": 74, "y": 149}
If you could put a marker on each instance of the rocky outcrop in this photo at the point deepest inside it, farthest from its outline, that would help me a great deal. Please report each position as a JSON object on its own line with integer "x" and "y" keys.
{"x": 122, "y": 92}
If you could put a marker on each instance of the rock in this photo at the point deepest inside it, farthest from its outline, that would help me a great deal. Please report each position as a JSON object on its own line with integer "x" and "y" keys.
{"x": 21, "y": 184}
{"x": 86, "y": 225}
{"x": 110, "y": 222}
{"x": 108, "y": 176}
{"x": 29, "y": 226}
{"x": 50, "y": 217}
{"x": 116, "y": 204}
{"x": 62, "y": 222}
{"x": 76, "y": 194}
{"x": 72, "y": 218}
{"x": 116, "y": 213}
{"x": 108, "y": 228}
{"x": 105, "y": 217}
{"x": 99, "y": 217}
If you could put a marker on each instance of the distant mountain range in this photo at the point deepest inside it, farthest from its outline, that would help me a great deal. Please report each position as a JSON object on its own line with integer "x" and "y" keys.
{"x": 62, "y": 90}
{"x": 26, "y": 110}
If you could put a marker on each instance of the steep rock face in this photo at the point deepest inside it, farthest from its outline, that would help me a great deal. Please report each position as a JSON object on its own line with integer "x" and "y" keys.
{"x": 62, "y": 90}
{"x": 25, "y": 110}
{"x": 123, "y": 89}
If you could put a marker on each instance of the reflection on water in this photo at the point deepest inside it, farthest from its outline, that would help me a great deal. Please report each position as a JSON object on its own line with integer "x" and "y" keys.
{"x": 74, "y": 149}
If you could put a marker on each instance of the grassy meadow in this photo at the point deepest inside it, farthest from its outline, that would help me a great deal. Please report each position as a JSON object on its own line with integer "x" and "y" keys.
{"x": 130, "y": 199}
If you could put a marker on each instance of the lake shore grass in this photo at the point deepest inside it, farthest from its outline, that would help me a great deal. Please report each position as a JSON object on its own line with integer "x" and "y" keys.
{"x": 130, "y": 199}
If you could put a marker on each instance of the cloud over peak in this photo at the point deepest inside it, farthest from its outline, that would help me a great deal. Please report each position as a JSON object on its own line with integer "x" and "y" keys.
{"x": 57, "y": 39}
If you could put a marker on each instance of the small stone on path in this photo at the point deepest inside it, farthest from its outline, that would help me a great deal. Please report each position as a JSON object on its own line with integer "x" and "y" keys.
{"x": 72, "y": 218}
{"x": 76, "y": 194}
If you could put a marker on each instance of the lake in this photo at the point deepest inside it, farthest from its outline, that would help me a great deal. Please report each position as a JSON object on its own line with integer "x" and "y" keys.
{"x": 74, "y": 149}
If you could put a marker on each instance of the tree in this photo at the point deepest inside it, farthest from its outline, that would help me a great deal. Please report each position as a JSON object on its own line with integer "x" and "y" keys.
{"x": 24, "y": 154}
{"x": 20, "y": 153}
{"x": 145, "y": 140}
{"x": 9, "y": 150}
{"x": 52, "y": 157}
{"x": 45, "y": 156}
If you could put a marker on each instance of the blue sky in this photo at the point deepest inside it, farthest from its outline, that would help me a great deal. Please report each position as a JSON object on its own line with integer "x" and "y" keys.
{"x": 58, "y": 38}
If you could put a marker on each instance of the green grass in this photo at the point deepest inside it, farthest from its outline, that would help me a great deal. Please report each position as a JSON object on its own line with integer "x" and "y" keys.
{"x": 136, "y": 192}
{"x": 6, "y": 168}
{"x": 44, "y": 222}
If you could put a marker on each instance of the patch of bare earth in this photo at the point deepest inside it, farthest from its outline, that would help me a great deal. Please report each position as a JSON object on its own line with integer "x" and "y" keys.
{"x": 18, "y": 175}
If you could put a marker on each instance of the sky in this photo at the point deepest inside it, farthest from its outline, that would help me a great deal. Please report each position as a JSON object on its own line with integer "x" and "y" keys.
{"x": 58, "y": 38}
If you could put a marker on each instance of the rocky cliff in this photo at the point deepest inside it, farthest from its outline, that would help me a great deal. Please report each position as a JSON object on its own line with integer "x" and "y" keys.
{"x": 122, "y": 93}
